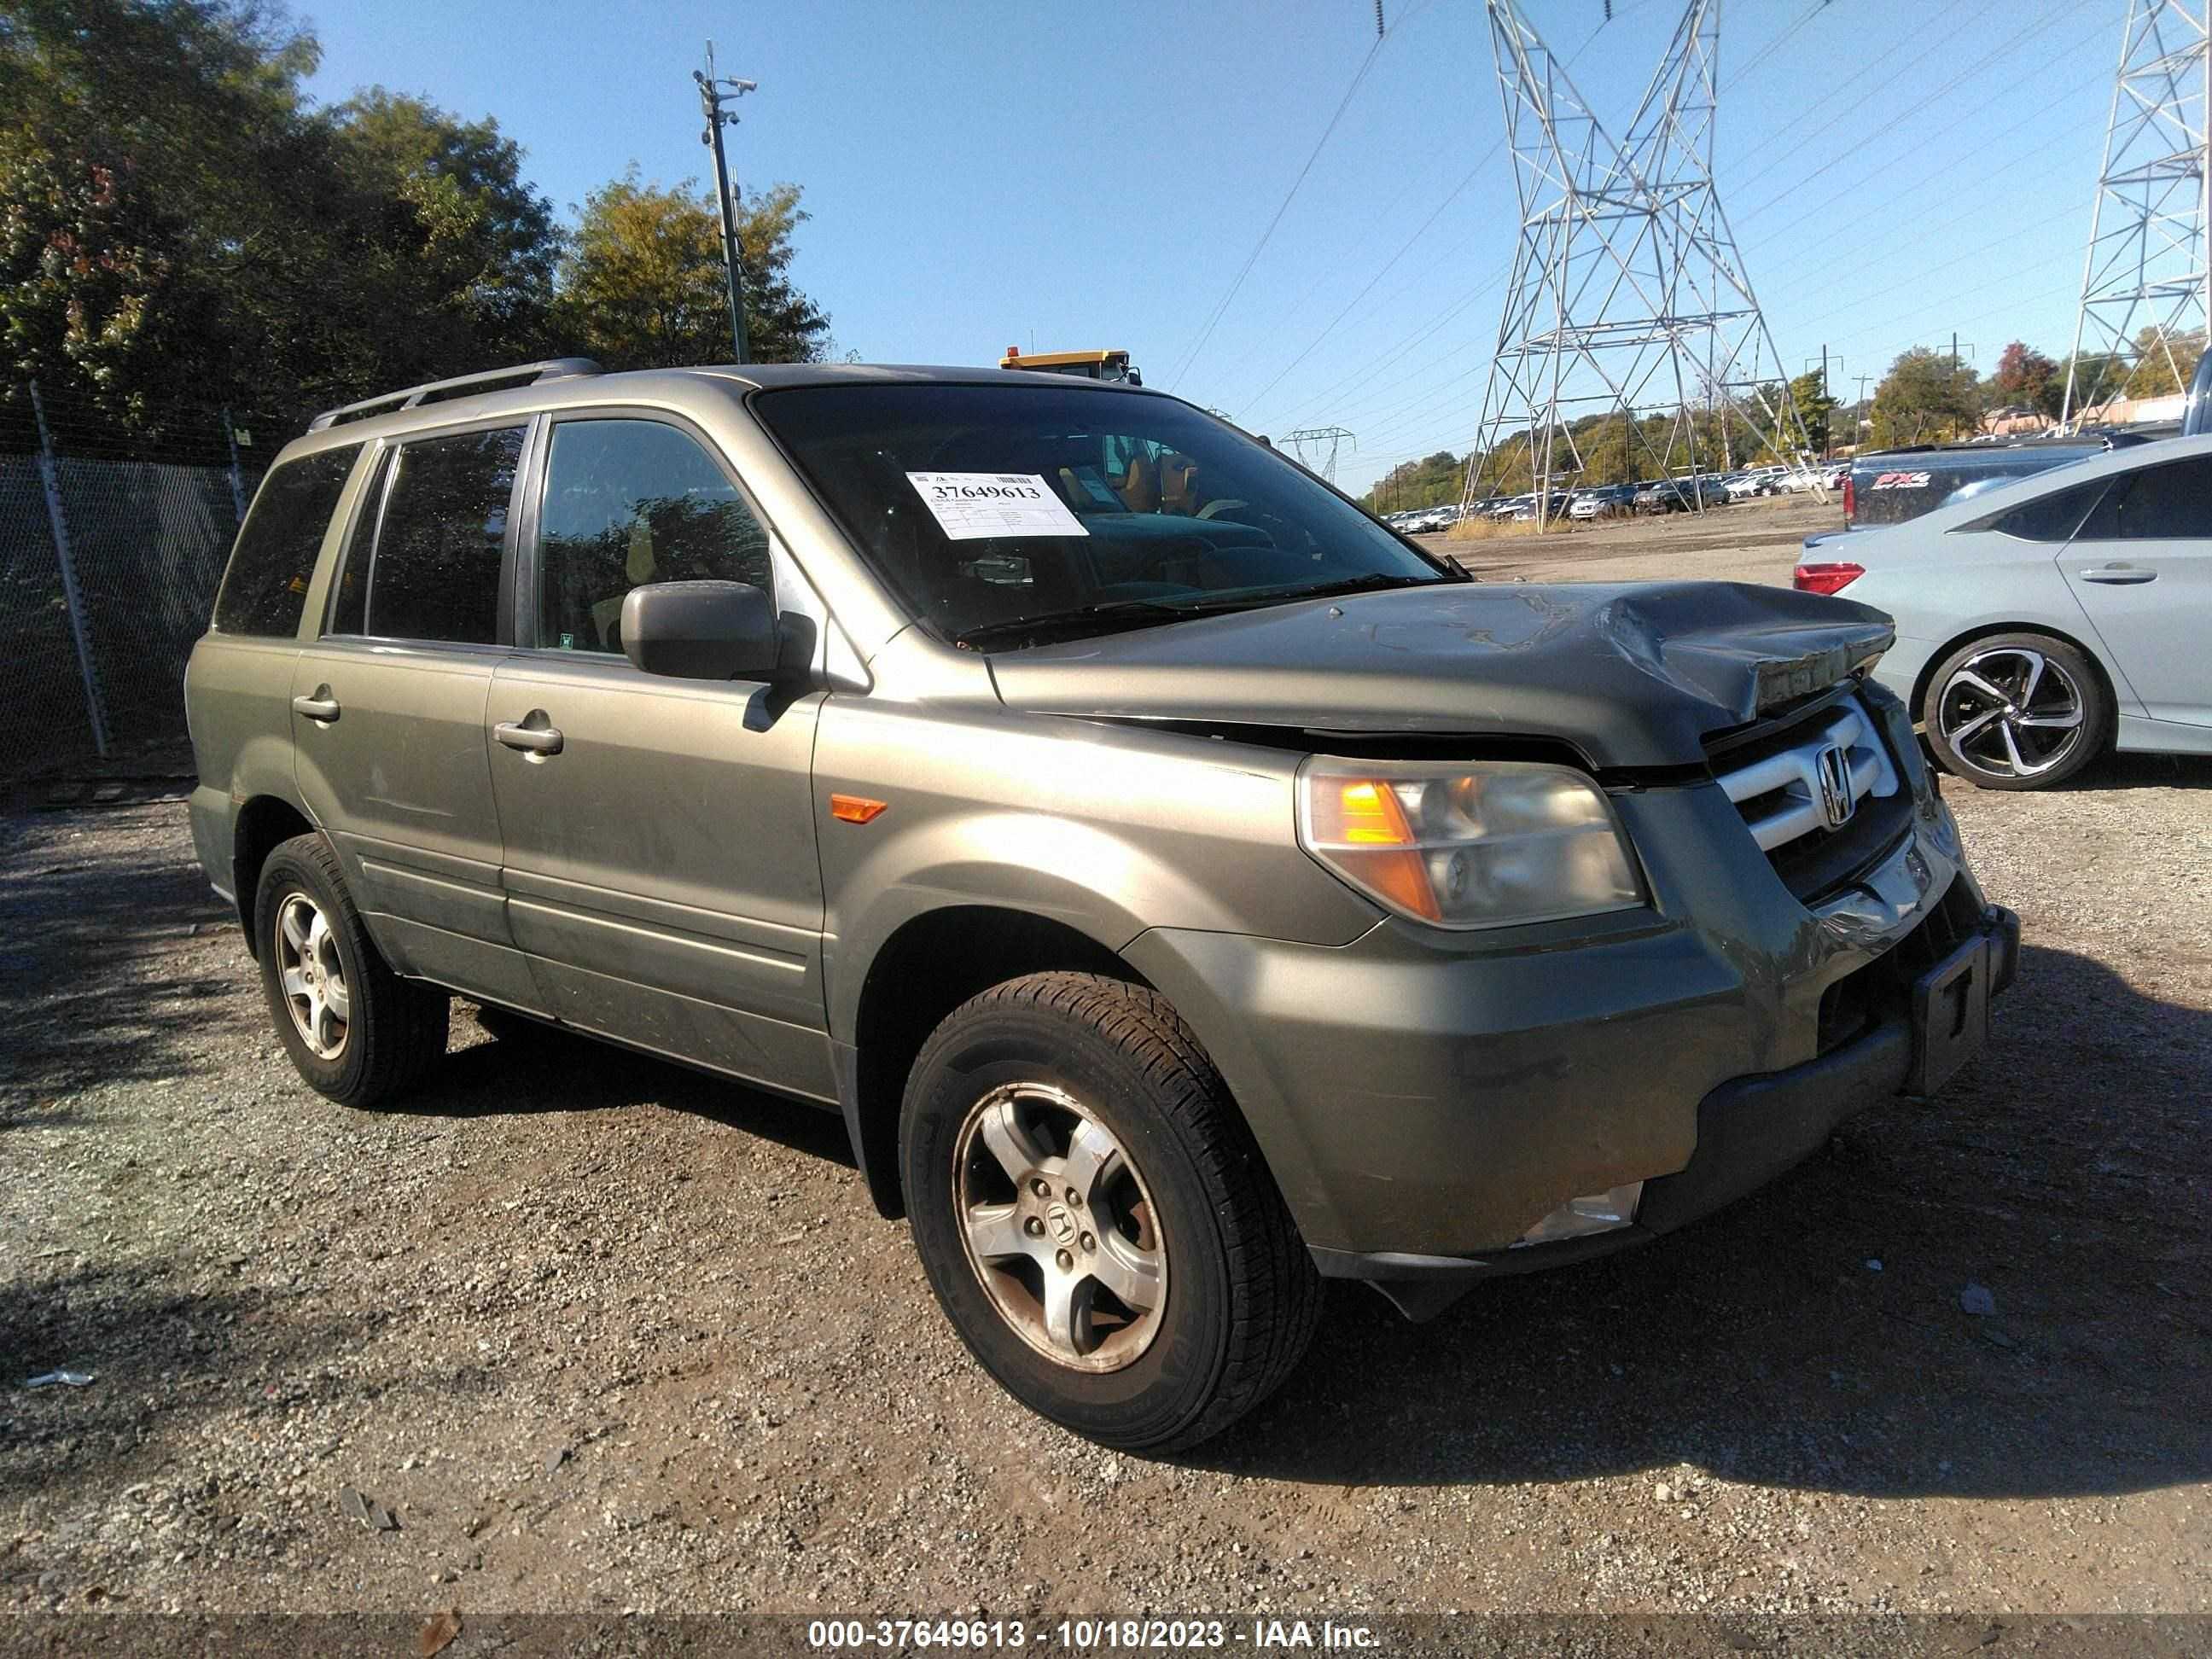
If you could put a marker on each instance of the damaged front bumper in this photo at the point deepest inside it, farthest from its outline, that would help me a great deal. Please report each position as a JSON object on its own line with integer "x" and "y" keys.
{"x": 1437, "y": 1110}
{"x": 1752, "y": 1129}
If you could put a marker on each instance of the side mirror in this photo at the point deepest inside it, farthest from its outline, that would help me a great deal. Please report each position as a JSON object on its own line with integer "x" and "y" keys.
{"x": 703, "y": 631}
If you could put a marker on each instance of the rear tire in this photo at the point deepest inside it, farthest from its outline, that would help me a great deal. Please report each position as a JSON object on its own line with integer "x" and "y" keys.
{"x": 1185, "y": 1296}
{"x": 2016, "y": 711}
{"x": 356, "y": 1031}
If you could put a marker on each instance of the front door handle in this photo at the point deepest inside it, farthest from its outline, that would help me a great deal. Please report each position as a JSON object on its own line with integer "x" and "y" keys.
{"x": 530, "y": 739}
{"x": 2118, "y": 575}
{"x": 321, "y": 707}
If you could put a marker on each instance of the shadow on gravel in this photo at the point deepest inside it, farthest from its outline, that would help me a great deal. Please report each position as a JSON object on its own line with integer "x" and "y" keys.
{"x": 2069, "y": 1172}
{"x": 158, "y": 1355}
{"x": 73, "y": 1010}
{"x": 530, "y": 1068}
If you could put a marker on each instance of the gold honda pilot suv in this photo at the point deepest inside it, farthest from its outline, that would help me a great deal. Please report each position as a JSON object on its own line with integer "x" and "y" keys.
{"x": 1184, "y": 887}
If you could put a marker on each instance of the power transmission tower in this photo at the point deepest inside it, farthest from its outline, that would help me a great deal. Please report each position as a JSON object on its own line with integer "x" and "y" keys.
{"x": 2145, "y": 279}
{"x": 1309, "y": 442}
{"x": 1628, "y": 296}
{"x": 714, "y": 92}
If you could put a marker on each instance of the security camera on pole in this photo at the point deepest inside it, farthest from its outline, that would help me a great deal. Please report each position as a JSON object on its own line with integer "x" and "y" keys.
{"x": 713, "y": 91}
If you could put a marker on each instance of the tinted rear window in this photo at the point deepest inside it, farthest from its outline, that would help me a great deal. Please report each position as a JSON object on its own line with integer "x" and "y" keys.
{"x": 2052, "y": 518}
{"x": 436, "y": 573}
{"x": 265, "y": 588}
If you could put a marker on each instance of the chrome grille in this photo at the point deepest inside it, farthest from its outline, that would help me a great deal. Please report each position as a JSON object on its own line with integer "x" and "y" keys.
{"x": 1779, "y": 792}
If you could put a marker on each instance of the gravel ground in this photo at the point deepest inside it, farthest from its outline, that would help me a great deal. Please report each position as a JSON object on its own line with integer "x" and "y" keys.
{"x": 595, "y": 1334}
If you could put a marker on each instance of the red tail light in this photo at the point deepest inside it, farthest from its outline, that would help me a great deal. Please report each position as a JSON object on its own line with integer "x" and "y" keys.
{"x": 1851, "y": 500}
{"x": 1826, "y": 578}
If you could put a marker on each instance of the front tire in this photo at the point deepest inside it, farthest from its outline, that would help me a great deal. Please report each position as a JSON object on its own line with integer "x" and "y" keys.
{"x": 1094, "y": 1218}
{"x": 2016, "y": 711}
{"x": 356, "y": 1031}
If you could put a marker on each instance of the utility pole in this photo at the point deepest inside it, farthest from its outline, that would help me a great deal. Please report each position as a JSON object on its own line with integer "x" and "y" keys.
{"x": 1830, "y": 443}
{"x": 713, "y": 92}
{"x": 1955, "y": 370}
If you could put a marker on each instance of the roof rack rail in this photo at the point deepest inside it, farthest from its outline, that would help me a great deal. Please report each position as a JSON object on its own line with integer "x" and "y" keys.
{"x": 553, "y": 369}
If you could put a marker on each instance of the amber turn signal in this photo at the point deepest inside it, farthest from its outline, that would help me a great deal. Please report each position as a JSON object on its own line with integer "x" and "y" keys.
{"x": 856, "y": 809}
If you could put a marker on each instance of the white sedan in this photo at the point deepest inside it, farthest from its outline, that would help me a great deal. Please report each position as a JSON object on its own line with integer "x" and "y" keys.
{"x": 2042, "y": 621}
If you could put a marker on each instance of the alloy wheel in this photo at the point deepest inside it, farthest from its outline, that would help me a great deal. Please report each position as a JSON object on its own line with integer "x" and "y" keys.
{"x": 1058, "y": 1227}
{"x": 2011, "y": 712}
{"x": 314, "y": 976}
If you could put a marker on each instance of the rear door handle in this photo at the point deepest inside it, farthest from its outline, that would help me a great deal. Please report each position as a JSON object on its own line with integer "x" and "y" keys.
{"x": 530, "y": 739}
{"x": 2118, "y": 575}
{"x": 321, "y": 707}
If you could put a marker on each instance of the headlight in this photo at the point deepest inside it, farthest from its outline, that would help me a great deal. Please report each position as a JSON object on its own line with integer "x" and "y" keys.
{"x": 1481, "y": 845}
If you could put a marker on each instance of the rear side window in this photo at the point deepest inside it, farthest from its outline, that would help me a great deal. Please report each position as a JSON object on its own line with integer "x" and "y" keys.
{"x": 629, "y": 502}
{"x": 2156, "y": 503}
{"x": 435, "y": 575}
{"x": 265, "y": 589}
{"x": 2052, "y": 518}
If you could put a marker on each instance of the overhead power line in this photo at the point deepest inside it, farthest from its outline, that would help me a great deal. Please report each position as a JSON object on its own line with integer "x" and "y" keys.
{"x": 1190, "y": 355}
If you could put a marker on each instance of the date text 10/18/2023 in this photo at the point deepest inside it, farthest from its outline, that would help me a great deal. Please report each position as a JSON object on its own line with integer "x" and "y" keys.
{"x": 1090, "y": 1635}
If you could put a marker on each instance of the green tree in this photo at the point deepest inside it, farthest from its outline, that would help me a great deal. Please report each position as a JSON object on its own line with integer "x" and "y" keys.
{"x": 2164, "y": 360}
{"x": 449, "y": 233}
{"x": 2097, "y": 376}
{"x": 1432, "y": 481}
{"x": 642, "y": 284}
{"x": 1926, "y": 395}
{"x": 143, "y": 167}
{"x": 1809, "y": 396}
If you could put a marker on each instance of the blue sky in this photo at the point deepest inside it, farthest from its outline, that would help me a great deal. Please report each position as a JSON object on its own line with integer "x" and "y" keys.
{"x": 985, "y": 174}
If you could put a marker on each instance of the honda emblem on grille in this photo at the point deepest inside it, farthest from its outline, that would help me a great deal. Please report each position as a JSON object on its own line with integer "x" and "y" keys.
{"x": 1833, "y": 769}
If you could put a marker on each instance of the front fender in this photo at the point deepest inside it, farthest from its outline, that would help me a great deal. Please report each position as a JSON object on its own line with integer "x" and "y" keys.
{"x": 1107, "y": 830}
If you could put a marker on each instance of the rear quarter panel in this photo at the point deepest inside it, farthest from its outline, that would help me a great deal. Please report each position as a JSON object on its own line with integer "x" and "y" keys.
{"x": 238, "y": 694}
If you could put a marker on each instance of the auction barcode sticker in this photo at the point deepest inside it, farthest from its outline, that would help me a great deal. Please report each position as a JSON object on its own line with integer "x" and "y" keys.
{"x": 971, "y": 506}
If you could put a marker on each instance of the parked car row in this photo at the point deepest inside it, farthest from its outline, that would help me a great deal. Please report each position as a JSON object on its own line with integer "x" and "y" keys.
{"x": 1680, "y": 495}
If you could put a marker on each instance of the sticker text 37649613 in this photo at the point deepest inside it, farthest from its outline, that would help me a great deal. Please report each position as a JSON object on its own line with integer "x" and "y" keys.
{"x": 970, "y": 506}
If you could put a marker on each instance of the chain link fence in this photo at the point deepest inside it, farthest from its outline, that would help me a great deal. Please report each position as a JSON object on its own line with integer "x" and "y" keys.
{"x": 44, "y": 713}
{"x": 111, "y": 547}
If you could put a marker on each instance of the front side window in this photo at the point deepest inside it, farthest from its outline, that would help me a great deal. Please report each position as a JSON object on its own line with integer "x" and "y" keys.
{"x": 265, "y": 589}
{"x": 435, "y": 573}
{"x": 1004, "y": 515}
{"x": 2156, "y": 503}
{"x": 629, "y": 502}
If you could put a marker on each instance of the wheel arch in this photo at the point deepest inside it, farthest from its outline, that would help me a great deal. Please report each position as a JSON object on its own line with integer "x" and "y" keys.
{"x": 264, "y": 823}
{"x": 930, "y": 965}
{"x": 1943, "y": 652}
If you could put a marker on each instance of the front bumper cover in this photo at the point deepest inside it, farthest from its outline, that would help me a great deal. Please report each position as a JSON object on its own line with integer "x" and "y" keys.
{"x": 1750, "y": 1130}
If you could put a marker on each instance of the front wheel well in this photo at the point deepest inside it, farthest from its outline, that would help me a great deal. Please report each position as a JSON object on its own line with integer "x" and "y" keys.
{"x": 929, "y": 967}
{"x": 263, "y": 824}
{"x": 1942, "y": 653}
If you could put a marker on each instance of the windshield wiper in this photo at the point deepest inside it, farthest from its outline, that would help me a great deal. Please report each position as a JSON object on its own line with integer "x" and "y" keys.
{"x": 1120, "y": 614}
{"x": 1073, "y": 623}
{"x": 1373, "y": 580}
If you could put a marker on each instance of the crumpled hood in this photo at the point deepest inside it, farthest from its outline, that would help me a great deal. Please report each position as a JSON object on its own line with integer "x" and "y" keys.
{"x": 1629, "y": 674}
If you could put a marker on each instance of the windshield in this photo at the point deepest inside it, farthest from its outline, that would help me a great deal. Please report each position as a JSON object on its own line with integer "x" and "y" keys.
{"x": 1007, "y": 514}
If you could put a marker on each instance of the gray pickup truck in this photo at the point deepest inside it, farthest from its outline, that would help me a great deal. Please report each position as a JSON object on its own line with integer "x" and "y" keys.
{"x": 1185, "y": 889}
{"x": 1891, "y": 486}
